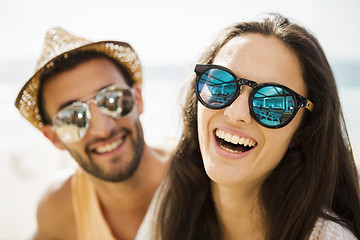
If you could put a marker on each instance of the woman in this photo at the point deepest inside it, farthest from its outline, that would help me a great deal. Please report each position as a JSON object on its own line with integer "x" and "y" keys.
{"x": 264, "y": 153}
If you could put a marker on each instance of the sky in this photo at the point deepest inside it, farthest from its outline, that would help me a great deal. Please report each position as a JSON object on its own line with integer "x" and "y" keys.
{"x": 168, "y": 32}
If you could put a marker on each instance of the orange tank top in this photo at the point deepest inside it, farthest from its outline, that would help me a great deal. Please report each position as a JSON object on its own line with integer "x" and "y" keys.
{"x": 90, "y": 222}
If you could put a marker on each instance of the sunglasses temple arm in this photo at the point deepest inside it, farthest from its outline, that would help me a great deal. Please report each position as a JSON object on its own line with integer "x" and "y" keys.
{"x": 309, "y": 105}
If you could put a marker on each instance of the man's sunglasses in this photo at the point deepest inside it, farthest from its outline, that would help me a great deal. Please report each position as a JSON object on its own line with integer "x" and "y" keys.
{"x": 72, "y": 122}
{"x": 271, "y": 105}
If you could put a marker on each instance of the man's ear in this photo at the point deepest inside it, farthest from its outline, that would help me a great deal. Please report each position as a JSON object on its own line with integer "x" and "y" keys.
{"x": 138, "y": 98}
{"x": 50, "y": 134}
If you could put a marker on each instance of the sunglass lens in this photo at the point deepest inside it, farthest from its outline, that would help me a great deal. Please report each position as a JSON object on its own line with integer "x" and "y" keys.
{"x": 273, "y": 106}
{"x": 116, "y": 102}
{"x": 216, "y": 88}
{"x": 71, "y": 123}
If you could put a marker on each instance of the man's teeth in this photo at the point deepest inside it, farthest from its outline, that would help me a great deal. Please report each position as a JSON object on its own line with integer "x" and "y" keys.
{"x": 109, "y": 147}
{"x": 234, "y": 139}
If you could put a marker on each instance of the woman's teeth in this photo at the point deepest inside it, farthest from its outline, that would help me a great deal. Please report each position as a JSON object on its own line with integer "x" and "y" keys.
{"x": 230, "y": 150}
{"x": 109, "y": 147}
{"x": 234, "y": 139}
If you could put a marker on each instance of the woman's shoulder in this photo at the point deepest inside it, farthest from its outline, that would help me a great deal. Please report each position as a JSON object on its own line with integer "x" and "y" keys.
{"x": 329, "y": 230}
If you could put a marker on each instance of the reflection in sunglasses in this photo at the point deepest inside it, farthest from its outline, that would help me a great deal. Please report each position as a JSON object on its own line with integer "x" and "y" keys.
{"x": 271, "y": 105}
{"x": 71, "y": 123}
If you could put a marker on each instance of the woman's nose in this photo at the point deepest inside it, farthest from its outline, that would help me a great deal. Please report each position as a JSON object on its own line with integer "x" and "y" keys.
{"x": 101, "y": 125}
{"x": 239, "y": 110}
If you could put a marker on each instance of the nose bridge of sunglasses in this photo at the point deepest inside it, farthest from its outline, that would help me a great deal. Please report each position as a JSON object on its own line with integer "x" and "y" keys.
{"x": 246, "y": 82}
{"x": 245, "y": 86}
{"x": 94, "y": 108}
{"x": 89, "y": 101}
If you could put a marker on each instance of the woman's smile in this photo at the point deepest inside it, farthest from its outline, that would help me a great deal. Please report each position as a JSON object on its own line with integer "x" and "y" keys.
{"x": 233, "y": 143}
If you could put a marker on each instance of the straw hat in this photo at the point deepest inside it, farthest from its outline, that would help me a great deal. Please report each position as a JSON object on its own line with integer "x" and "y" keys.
{"x": 59, "y": 43}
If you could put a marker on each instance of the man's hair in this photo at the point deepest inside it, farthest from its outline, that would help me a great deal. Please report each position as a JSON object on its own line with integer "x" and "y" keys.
{"x": 68, "y": 62}
{"x": 316, "y": 176}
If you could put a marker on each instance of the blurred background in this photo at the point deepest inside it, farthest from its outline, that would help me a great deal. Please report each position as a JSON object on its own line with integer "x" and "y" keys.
{"x": 168, "y": 37}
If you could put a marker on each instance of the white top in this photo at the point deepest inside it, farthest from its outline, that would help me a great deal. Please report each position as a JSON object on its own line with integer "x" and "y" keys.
{"x": 323, "y": 229}
{"x": 146, "y": 229}
{"x": 329, "y": 230}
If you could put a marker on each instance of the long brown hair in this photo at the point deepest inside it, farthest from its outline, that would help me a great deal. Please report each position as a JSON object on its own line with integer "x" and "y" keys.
{"x": 317, "y": 176}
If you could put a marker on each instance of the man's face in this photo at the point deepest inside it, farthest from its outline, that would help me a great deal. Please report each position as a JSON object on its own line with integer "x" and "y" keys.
{"x": 112, "y": 148}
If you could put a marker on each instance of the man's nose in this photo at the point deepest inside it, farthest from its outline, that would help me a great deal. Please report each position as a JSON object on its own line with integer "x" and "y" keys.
{"x": 101, "y": 125}
{"x": 238, "y": 111}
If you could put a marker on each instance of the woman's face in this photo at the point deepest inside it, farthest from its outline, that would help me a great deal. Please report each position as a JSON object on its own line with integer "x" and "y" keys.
{"x": 260, "y": 59}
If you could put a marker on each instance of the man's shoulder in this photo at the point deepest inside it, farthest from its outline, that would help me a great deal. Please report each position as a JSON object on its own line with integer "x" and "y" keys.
{"x": 55, "y": 208}
{"x": 59, "y": 191}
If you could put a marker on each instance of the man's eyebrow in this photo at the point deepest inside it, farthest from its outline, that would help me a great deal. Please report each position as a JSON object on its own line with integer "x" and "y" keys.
{"x": 67, "y": 103}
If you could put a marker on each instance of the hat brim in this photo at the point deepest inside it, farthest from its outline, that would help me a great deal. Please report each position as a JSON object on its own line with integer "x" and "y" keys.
{"x": 27, "y": 100}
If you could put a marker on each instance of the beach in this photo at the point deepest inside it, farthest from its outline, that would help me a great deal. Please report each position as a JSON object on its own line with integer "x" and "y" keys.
{"x": 29, "y": 162}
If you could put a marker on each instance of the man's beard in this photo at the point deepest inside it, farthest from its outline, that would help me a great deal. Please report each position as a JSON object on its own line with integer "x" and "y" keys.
{"x": 122, "y": 173}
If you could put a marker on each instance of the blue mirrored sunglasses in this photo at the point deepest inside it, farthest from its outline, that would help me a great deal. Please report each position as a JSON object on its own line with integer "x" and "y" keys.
{"x": 271, "y": 105}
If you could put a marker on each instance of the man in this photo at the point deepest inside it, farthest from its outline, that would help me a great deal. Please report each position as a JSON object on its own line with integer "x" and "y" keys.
{"x": 86, "y": 98}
